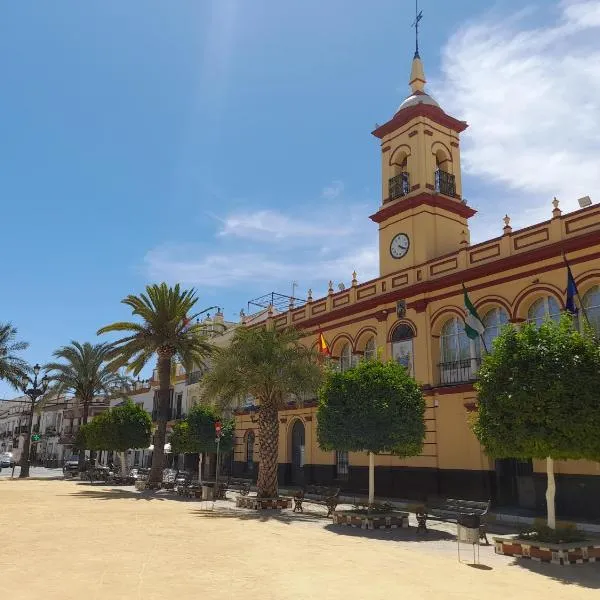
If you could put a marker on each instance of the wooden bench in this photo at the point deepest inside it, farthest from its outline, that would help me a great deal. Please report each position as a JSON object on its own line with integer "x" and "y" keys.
{"x": 328, "y": 496}
{"x": 449, "y": 509}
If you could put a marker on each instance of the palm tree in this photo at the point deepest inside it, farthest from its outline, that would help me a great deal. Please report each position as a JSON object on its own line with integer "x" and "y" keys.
{"x": 167, "y": 329}
{"x": 271, "y": 366}
{"x": 12, "y": 368}
{"x": 84, "y": 373}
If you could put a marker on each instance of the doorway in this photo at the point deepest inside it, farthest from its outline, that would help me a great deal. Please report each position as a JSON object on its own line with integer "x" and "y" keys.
{"x": 298, "y": 440}
{"x": 515, "y": 486}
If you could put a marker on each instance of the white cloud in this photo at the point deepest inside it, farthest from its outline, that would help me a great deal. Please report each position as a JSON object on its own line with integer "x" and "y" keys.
{"x": 268, "y": 225}
{"x": 333, "y": 190}
{"x": 191, "y": 265}
{"x": 532, "y": 99}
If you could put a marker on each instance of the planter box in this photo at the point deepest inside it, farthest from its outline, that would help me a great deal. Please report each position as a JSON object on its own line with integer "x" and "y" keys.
{"x": 570, "y": 553}
{"x": 392, "y": 520}
{"x": 263, "y": 503}
{"x": 140, "y": 484}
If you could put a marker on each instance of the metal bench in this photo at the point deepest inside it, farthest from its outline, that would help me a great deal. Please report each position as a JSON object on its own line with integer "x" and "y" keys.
{"x": 328, "y": 496}
{"x": 449, "y": 509}
{"x": 242, "y": 486}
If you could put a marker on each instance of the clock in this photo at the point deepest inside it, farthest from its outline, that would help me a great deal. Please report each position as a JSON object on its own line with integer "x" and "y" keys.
{"x": 399, "y": 245}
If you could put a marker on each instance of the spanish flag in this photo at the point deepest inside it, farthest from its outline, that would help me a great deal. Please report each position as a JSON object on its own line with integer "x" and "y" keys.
{"x": 323, "y": 346}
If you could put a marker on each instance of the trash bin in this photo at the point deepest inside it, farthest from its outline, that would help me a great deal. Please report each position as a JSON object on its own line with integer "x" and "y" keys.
{"x": 468, "y": 528}
{"x": 207, "y": 492}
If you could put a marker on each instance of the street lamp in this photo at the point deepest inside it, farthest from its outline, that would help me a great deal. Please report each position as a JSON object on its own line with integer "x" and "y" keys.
{"x": 33, "y": 392}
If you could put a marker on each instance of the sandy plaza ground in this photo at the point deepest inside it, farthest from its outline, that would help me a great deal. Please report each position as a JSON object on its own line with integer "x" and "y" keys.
{"x": 67, "y": 539}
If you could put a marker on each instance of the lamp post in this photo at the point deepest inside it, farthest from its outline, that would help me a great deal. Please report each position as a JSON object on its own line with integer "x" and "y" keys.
{"x": 33, "y": 392}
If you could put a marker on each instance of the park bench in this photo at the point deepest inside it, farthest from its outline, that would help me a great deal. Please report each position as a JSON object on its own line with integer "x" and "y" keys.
{"x": 328, "y": 496}
{"x": 448, "y": 510}
{"x": 239, "y": 485}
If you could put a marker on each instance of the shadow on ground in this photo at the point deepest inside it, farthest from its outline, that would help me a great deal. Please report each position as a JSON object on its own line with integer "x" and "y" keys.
{"x": 104, "y": 492}
{"x": 285, "y": 517}
{"x": 586, "y": 575}
{"x": 401, "y": 534}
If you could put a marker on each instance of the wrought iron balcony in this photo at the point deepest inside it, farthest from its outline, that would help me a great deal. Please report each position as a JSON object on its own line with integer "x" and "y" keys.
{"x": 194, "y": 377}
{"x": 398, "y": 186}
{"x": 445, "y": 183}
{"x": 459, "y": 371}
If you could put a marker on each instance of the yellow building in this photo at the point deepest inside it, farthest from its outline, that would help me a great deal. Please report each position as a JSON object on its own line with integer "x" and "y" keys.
{"x": 414, "y": 312}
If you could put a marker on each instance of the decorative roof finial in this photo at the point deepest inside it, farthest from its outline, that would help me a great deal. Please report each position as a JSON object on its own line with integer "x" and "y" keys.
{"x": 507, "y": 228}
{"x": 309, "y": 298}
{"x": 418, "y": 17}
{"x": 556, "y": 212}
{"x": 330, "y": 287}
{"x": 354, "y": 280}
{"x": 417, "y": 74}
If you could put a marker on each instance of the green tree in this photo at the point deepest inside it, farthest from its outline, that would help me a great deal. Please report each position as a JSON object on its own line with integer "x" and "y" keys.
{"x": 196, "y": 433}
{"x": 13, "y": 368}
{"x": 374, "y": 407}
{"x": 538, "y": 397}
{"x": 271, "y": 366}
{"x": 168, "y": 330}
{"x": 119, "y": 429}
{"x": 82, "y": 370}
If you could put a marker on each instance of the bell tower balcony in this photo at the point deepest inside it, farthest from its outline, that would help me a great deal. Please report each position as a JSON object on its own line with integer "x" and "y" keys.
{"x": 398, "y": 186}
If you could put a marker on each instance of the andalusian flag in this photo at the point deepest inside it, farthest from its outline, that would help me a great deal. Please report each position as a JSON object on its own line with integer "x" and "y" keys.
{"x": 323, "y": 346}
{"x": 474, "y": 327}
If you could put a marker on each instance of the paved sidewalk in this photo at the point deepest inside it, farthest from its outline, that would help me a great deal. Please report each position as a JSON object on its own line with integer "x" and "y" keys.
{"x": 70, "y": 540}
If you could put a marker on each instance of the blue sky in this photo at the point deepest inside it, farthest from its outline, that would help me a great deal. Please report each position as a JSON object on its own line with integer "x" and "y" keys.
{"x": 197, "y": 141}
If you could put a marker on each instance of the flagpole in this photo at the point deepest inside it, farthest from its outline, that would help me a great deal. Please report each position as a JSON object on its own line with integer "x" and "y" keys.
{"x": 570, "y": 276}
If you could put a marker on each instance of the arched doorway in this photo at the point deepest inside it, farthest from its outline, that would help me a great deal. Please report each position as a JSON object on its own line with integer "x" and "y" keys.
{"x": 298, "y": 453}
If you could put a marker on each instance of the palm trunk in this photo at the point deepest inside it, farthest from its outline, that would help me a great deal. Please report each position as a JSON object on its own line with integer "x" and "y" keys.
{"x": 268, "y": 432}
{"x": 164, "y": 386}
{"x": 24, "y": 462}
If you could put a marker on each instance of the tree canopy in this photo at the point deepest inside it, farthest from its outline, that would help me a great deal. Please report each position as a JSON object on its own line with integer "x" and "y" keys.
{"x": 168, "y": 326}
{"x": 13, "y": 368}
{"x": 118, "y": 429}
{"x": 538, "y": 393}
{"x": 375, "y": 407}
{"x": 196, "y": 433}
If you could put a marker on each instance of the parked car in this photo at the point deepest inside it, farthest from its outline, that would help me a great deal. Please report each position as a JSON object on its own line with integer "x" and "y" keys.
{"x": 71, "y": 468}
{"x": 7, "y": 460}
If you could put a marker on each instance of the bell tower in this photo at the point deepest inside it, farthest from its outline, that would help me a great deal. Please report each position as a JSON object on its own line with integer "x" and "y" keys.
{"x": 422, "y": 214}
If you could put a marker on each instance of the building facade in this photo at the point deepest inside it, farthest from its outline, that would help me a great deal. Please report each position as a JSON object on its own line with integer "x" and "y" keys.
{"x": 414, "y": 312}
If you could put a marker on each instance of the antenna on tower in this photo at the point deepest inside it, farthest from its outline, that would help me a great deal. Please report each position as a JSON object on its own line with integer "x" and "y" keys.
{"x": 418, "y": 17}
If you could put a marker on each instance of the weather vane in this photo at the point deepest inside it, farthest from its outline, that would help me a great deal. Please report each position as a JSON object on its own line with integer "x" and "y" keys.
{"x": 418, "y": 17}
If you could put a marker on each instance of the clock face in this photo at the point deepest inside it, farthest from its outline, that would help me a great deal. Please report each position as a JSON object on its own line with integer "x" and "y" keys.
{"x": 399, "y": 245}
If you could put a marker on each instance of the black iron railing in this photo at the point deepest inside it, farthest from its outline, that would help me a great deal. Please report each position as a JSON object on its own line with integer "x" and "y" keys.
{"x": 445, "y": 183}
{"x": 398, "y": 186}
{"x": 459, "y": 371}
{"x": 193, "y": 377}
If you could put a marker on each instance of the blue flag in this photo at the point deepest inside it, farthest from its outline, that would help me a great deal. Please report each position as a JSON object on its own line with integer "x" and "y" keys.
{"x": 571, "y": 292}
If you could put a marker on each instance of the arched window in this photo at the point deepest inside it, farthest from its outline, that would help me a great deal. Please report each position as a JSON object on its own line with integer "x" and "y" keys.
{"x": 250, "y": 450}
{"x": 459, "y": 355}
{"x": 591, "y": 305}
{"x": 346, "y": 358}
{"x": 543, "y": 308}
{"x": 493, "y": 322}
{"x": 370, "y": 350}
{"x": 402, "y": 346}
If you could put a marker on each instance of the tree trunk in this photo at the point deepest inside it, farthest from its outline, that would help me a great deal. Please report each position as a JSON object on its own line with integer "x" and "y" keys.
{"x": 124, "y": 470}
{"x": 200, "y": 456}
{"x": 371, "y": 478}
{"x": 84, "y": 420}
{"x": 550, "y": 493}
{"x": 24, "y": 462}
{"x": 164, "y": 387}
{"x": 268, "y": 433}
